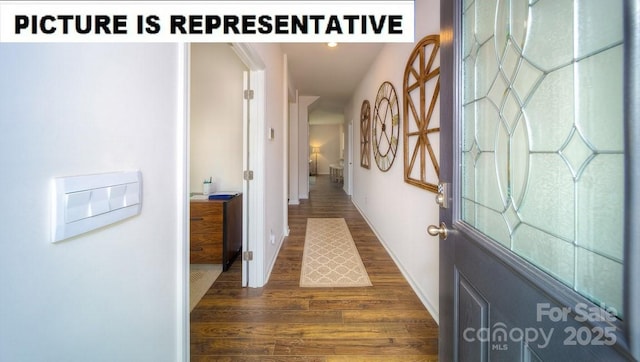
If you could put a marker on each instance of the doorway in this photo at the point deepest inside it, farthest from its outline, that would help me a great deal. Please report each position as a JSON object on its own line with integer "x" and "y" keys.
{"x": 224, "y": 147}
{"x": 216, "y": 142}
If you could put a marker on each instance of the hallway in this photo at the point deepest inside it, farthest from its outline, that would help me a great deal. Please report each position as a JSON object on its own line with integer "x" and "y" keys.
{"x": 281, "y": 321}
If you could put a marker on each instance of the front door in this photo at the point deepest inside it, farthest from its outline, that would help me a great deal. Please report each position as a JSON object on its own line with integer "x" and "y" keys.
{"x": 537, "y": 97}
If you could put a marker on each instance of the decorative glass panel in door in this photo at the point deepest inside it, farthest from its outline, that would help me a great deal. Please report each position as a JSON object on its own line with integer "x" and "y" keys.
{"x": 542, "y": 136}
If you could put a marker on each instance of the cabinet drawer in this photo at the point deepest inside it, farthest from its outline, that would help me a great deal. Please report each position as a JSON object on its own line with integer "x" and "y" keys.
{"x": 206, "y": 209}
{"x": 206, "y": 225}
{"x": 205, "y": 254}
{"x": 206, "y": 240}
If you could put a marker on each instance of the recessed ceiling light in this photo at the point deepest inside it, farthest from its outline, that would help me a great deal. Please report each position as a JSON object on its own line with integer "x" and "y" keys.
{"x": 332, "y": 44}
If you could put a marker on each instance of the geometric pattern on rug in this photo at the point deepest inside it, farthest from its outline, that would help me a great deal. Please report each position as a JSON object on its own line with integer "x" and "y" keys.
{"x": 330, "y": 257}
{"x": 201, "y": 277}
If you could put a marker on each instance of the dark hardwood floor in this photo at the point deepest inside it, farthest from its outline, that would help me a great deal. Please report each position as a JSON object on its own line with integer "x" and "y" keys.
{"x": 283, "y": 322}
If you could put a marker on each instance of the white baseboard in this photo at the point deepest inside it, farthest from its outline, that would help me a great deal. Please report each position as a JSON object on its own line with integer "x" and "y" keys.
{"x": 273, "y": 262}
{"x": 425, "y": 301}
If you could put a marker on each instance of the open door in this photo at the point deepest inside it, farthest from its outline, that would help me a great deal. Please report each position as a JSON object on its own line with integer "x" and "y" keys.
{"x": 246, "y": 127}
{"x": 539, "y": 181}
{"x": 349, "y": 171}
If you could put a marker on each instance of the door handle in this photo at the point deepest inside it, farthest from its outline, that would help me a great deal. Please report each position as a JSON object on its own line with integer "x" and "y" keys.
{"x": 441, "y": 231}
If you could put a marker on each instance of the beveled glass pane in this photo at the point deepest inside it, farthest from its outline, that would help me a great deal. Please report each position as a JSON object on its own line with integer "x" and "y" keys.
{"x": 600, "y": 99}
{"x": 549, "y": 43}
{"x": 600, "y": 279}
{"x": 600, "y": 215}
{"x": 526, "y": 79}
{"x": 551, "y": 254}
{"x": 494, "y": 225}
{"x": 542, "y": 167}
{"x": 469, "y": 212}
{"x": 469, "y": 38}
{"x": 599, "y": 25}
{"x": 511, "y": 109}
{"x": 486, "y": 69}
{"x": 485, "y": 15}
{"x": 469, "y": 73}
{"x": 511, "y": 217}
{"x": 467, "y": 3}
{"x": 519, "y": 162}
{"x": 550, "y": 201}
{"x": 498, "y": 91}
{"x": 502, "y": 154}
{"x": 468, "y": 178}
{"x": 510, "y": 60}
{"x": 487, "y": 119}
{"x": 487, "y": 190}
{"x": 550, "y": 111}
{"x": 576, "y": 152}
{"x": 502, "y": 27}
{"x": 519, "y": 21}
{"x": 469, "y": 134}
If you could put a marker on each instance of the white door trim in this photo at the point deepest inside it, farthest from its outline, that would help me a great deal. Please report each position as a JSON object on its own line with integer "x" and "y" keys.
{"x": 182, "y": 182}
{"x": 256, "y": 210}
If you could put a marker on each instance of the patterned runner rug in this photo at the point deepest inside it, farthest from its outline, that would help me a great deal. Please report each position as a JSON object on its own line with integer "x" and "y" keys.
{"x": 201, "y": 277}
{"x": 330, "y": 257}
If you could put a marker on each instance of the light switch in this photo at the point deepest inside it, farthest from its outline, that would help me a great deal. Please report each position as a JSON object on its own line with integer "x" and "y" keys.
{"x": 85, "y": 203}
{"x": 116, "y": 197}
{"x": 132, "y": 195}
{"x": 99, "y": 201}
{"x": 77, "y": 206}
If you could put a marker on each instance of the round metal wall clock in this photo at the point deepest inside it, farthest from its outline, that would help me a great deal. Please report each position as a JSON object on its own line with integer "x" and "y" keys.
{"x": 365, "y": 134}
{"x": 386, "y": 126}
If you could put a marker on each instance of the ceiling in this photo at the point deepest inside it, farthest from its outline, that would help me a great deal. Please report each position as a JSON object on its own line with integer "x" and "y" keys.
{"x": 330, "y": 73}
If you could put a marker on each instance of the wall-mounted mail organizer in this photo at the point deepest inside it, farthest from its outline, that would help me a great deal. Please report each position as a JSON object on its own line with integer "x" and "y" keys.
{"x": 88, "y": 202}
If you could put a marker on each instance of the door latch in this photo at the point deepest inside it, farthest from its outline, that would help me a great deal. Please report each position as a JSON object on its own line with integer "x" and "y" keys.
{"x": 442, "y": 198}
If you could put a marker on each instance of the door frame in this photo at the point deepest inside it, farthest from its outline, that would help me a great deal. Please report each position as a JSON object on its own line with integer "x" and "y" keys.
{"x": 348, "y": 177}
{"x": 628, "y": 331}
{"x": 256, "y": 163}
{"x": 182, "y": 232}
{"x": 256, "y": 210}
{"x": 631, "y": 78}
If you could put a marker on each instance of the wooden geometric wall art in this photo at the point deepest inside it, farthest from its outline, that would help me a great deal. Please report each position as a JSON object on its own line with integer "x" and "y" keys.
{"x": 421, "y": 124}
{"x": 386, "y": 126}
{"x": 365, "y": 134}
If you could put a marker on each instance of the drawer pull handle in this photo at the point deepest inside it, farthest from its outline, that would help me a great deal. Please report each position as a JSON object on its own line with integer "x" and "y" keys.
{"x": 196, "y": 249}
{"x": 197, "y": 218}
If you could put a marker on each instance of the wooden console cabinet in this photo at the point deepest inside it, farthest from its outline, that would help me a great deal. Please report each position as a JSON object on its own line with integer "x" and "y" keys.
{"x": 216, "y": 231}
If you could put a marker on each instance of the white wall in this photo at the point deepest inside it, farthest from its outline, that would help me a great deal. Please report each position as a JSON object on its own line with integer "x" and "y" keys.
{"x": 328, "y": 138}
{"x": 216, "y": 116}
{"x": 113, "y": 294}
{"x": 399, "y": 212}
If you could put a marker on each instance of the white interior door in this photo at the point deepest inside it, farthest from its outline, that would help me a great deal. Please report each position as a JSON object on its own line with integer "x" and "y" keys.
{"x": 246, "y": 184}
{"x": 349, "y": 173}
